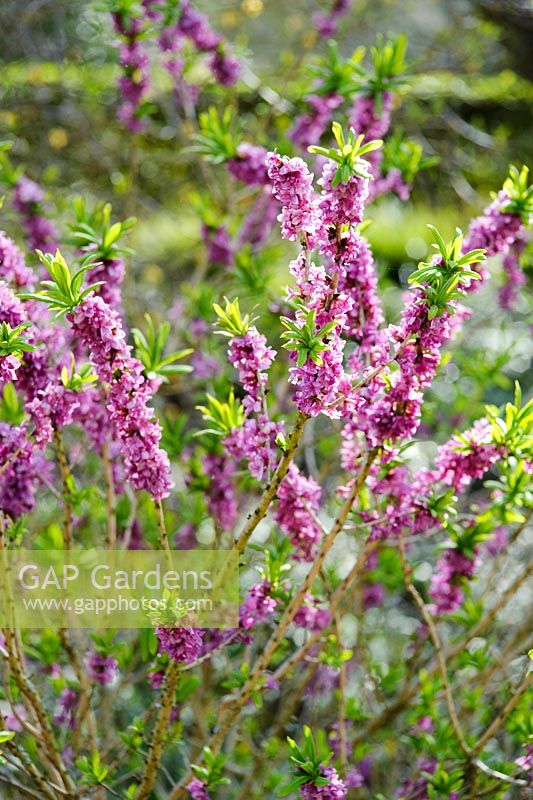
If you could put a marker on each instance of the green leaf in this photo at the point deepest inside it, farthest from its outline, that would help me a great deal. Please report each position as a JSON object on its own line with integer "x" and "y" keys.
{"x": 349, "y": 154}
{"x": 230, "y": 320}
{"x": 217, "y": 140}
{"x": 222, "y": 417}
{"x": 149, "y": 349}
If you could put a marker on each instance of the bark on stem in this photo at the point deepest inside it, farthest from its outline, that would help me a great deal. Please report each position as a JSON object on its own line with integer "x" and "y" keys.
{"x": 502, "y": 715}
{"x": 439, "y": 651}
{"x": 162, "y": 528}
{"x": 336, "y": 598}
{"x": 32, "y": 770}
{"x": 84, "y": 709}
{"x": 272, "y": 487}
{"x": 111, "y": 498}
{"x": 159, "y": 733}
{"x": 410, "y": 689}
{"x": 67, "y": 493}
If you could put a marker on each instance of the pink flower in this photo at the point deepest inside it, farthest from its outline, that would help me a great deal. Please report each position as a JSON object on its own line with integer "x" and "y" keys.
{"x": 100, "y": 329}
{"x": 13, "y": 268}
{"x": 445, "y": 589}
{"x": 258, "y": 606}
{"x": 366, "y": 119}
{"x": 8, "y": 369}
{"x": 67, "y": 704}
{"x": 219, "y": 248}
{"x": 468, "y": 457}
{"x": 21, "y": 466}
{"x": 27, "y": 200}
{"x": 252, "y": 357}
{"x": 309, "y": 127}
{"x": 310, "y": 616}
{"x": 195, "y": 26}
{"x": 249, "y": 165}
{"x": 183, "y": 645}
{"x": 53, "y": 408}
{"x": 335, "y": 789}
{"x": 197, "y": 790}
{"x": 342, "y": 204}
{"x": 298, "y": 496}
{"x": 225, "y": 68}
{"x": 221, "y": 499}
{"x": 100, "y": 668}
{"x": 292, "y": 185}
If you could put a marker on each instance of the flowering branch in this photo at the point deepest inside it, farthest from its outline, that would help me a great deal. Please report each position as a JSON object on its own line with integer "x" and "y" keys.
{"x": 270, "y": 490}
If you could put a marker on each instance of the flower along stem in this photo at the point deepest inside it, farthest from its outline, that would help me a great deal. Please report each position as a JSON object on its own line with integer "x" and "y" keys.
{"x": 279, "y": 364}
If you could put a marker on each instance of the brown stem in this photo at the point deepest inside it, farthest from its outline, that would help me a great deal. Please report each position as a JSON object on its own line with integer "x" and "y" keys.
{"x": 67, "y": 493}
{"x": 111, "y": 498}
{"x": 439, "y": 652}
{"x": 272, "y": 487}
{"x": 375, "y": 372}
{"x": 502, "y": 715}
{"x": 158, "y": 735}
{"x": 14, "y": 661}
{"x": 84, "y": 709}
{"x": 29, "y": 766}
{"x": 336, "y": 598}
{"x": 163, "y": 538}
{"x": 410, "y": 689}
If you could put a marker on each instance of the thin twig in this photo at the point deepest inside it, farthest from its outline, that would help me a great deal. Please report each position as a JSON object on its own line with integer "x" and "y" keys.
{"x": 159, "y": 732}
{"x": 111, "y": 498}
{"x": 234, "y": 704}
{"x": 272, "y": 487}
{"x": 441, "y": 660}
{"x": 502, "y": 715}
{"x": 163, "y": 538}
{"x": 67, "y": 491}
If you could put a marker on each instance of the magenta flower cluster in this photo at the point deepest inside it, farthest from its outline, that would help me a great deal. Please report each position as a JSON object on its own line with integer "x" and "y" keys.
{"x": 298, "y": 502}
{"x": 101, "y": 668}
{"x": 171, "y": 34}
{"x": 258, "y": 606}
{"x": 21, "y": 468}
{"x": 221, "y": 496}
{"x": 67, "y": 706}
{"x": 327, "y": 23}
{"x": 197, "y": 790}
{"x": 51, "y": 409}
{"x": 249, "y": 165}
{"x": 335, "y": 789}
{"x": 183, "y": 645}
{"x": 468, "y": 457}
{"x": 28, "y": 201}
{"x": 445, "y": 588}
{"x": 13, "y": 267}
{"x": 100, "y": 329}
{"x": 310, "y": 616}
{"x": 252, "y": 357}
{"x": 496, "y": 230}
{"x": 309, "y": 127}
{"x": 292, "y": 185}
{"x": 134, "y": 82}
